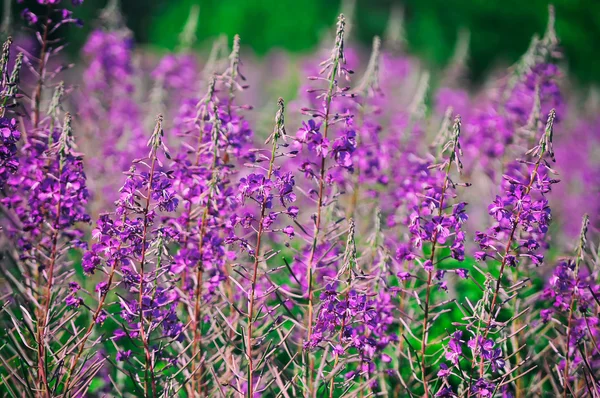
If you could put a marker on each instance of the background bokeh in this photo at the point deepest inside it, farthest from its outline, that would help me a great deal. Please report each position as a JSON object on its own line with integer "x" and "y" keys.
{"x": 500, "y": 30}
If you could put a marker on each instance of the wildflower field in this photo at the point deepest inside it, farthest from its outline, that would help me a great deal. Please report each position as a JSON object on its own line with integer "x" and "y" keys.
{"x": 340, "y": 224}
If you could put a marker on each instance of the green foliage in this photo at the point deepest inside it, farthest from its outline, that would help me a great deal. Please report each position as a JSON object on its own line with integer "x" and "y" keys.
{"x": 500, "y": 31}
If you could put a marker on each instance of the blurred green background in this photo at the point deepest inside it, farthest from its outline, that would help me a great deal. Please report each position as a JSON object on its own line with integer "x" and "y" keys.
{"x": 500, "y": 30}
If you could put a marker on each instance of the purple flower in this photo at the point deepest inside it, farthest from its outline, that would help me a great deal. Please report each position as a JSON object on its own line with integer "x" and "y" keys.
{"x": 289, "y": 231}
{"x": 29, "y": 17}
{"x": 9, "y": 136}
{"x": 444, "y": 370}
{"x": 454, "y": 348}
{"x": 495, "y": 358}
{"x": 428, "y": 266}
{"x": 483, "y": 388}
{"x": 123, "y": 355}
{"x": 119, "y": 334}
{"x": 463, "y": 273}
{"x": 102, "y": 288}
{"x": 445, "y": 392}
{"x": 73, "y": 301}
{"x": 102, "y": 315}
{"x": 404, "y": 276}
{"x": 496, "y": 209}
{"x": 403, "y": 253}
{"x": 90, "y": 262}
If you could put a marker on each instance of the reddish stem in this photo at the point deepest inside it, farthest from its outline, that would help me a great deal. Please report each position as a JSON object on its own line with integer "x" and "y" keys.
{"x": 259, "y": 235}
{"x": 428, "y": 291}
{"x": 149, "y": 365}
{"x": 506, "y": 252}
{"x": 48, "y": 297}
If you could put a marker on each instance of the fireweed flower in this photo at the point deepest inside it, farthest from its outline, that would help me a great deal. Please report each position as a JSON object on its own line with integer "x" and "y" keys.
{"x": 48, "y": 22}
{"x": 509, "y": 116}
{"x": 272, "y": 192}
{"x": 315, "y": 134}
{"x": 533, "y": 78}
{"x": 436, "y": 221}
{"x": 354, "y": 316}
{"x": 522, "y": 207}
{"x": 47, "y": 198}
{"x": 176, "y": 72}
{"x": 215, "y": 136}
{"x": 572, "y": 292}
{"x": 203, "y": 224}
{"x": 408, "y": 170}
{"x": 579, "y": 170}
{"x": 133, "y": 245}
{"x": 45, "y": 203}
{"x": 521, "y": 216}
{"x": 10, "y": 135}
{"x": 186, "y": 116}
{"x": 9, "y": 132}
{"x": 325, "y": 148}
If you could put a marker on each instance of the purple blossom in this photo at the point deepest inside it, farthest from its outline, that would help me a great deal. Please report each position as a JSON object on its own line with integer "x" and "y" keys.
{"x": 454, "y": 348}
{"x": 29, "y": 16}
{"x": 123, "y": 355}
{"x": 9, "y": 136}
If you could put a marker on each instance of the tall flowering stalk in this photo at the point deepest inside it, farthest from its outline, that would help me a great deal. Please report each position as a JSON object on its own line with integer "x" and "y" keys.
{"x": 110, "y": 111}
{"x": 522, "y": 216}
{"x": 573, "y": 292}
{"x": 272, "y": 191}
{"x": 349, "y": 265}
{"x": 278, "y": 133}
{"x": 48, "y": 198}
{"x": 9, "y": 84}
{"x": 154, "y": 143}
{"x": 333, "y": 67}
{"x": 570, "y": 321}
{"x": 532, "y": 216}
{"x": 133, "y": 247}
{"x": 215, "y": 137}
{"x": 197, "y": 187}
{"x": 175, "y": 72}
{"x": 319, "y": 143}
{"x": 212, "y": 190}
{"x": 434, "y": 224}
{"x": 370, "y": 162}
{"x": 437, "y": 231}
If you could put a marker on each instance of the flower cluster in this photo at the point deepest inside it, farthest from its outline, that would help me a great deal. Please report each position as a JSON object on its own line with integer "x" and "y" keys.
{"x": 62, "y": 16}
{"x": 522, "y": 213}
{"x": 8, "y": 148}
{"x": 9, "y": 131}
